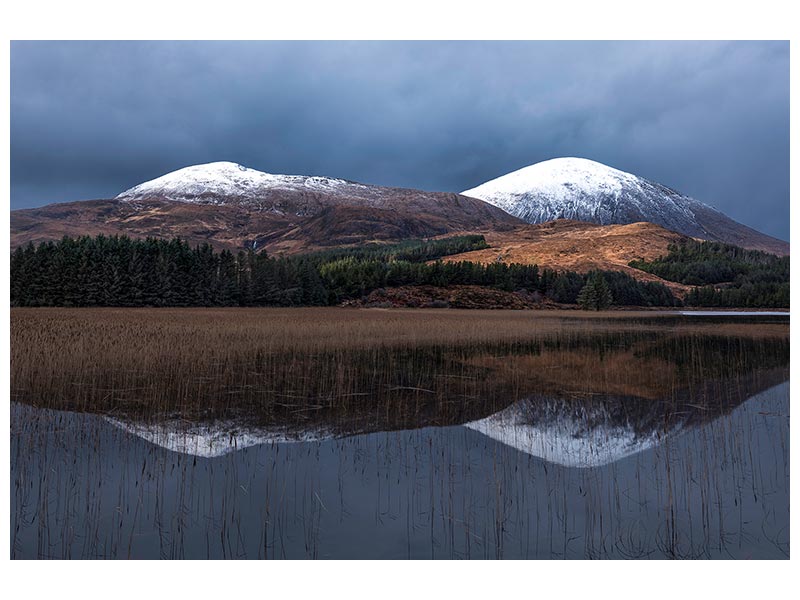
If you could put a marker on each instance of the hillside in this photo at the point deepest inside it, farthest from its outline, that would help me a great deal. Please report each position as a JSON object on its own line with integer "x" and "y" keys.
{"x": 232, "y": 207}
{"x": 120, "y": 271}
{"x": 566, "y": 245}
{"x": 724, "y": 275}
{"x": 585, "y": 190}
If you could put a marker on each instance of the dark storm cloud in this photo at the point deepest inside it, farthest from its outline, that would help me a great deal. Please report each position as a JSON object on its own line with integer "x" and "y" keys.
{"x": 709, "y": 119}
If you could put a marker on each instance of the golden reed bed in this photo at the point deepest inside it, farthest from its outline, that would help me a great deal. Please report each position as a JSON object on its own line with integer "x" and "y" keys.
{"x": 214, "y": 360}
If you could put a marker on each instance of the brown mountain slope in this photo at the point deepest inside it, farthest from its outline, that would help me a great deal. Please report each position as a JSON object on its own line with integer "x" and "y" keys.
{"x": 282, "y": 221}
{"x": 578, "y": 246}
{"x": 717, "y": 226}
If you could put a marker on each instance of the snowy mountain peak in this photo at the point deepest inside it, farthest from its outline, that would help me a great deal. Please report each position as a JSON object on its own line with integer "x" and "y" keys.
{"x": 581, "y": 189}
{"x": 585, "y": 190}
{"x": 559, "y": 178}
{"x": 217, "y": 182}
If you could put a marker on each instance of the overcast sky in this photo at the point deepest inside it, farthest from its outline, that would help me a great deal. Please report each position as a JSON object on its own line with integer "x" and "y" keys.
{"x": 710, "y": 119}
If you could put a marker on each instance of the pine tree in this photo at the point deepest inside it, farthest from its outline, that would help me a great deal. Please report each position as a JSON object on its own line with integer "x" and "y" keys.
{"x": 595, "y": 295}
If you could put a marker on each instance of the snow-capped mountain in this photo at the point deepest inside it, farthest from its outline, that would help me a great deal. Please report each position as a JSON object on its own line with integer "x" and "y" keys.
{"x": 220, "y": 182}
{"x": 585, "y": 190}
{"x": 235, "y": 207}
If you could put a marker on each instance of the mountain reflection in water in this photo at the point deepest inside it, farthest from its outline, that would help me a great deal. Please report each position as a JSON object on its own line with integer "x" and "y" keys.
{"x": 576, "y": 432}
{"x": 607, "y": 446}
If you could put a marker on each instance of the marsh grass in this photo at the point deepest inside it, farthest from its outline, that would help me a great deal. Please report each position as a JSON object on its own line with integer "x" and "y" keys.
{"x": 195, "y": 362}
{"x": 82, "y": 488}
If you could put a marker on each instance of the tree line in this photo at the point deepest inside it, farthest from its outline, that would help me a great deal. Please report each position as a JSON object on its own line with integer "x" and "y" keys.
{"x": 724, "y": 275}
{"x": 120, "y": 271}
{"x": 407, "y": 250}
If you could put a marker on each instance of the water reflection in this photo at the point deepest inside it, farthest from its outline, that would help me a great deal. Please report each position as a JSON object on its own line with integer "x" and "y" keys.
{"x": 609, "y": 446}
{"x": 214, "y": 439}
{"x": 589, "y": 431}
{"x": 719, "y": 489}
{"x": 548, "y": 431}
{"x": 601, "y": 428}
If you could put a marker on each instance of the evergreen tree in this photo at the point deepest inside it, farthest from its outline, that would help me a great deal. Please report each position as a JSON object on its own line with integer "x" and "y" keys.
{"x": 595, "y": 295}
{"x": 725, "y": 275}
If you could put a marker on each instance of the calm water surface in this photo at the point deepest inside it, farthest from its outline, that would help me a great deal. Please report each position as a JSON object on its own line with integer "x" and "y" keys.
{"x": 635, "y": 465}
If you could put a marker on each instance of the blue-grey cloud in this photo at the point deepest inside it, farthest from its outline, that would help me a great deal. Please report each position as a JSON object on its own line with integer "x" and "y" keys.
{"x": 711, "y": 119}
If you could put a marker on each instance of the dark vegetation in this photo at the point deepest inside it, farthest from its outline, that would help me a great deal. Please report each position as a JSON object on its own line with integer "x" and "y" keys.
{"x": 595, "y": 295}
{"x": 409, "y": 250}
{"x": 119, "y": 271}
{"x": 725, "y": 275}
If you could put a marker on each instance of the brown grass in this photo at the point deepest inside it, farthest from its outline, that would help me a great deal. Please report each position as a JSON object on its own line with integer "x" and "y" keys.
{"x": 566, "y": 245}
{"x": 398, "y": 364}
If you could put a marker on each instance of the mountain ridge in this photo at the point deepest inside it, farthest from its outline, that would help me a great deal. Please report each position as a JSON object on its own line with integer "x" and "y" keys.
{"x": 234, "y": 207}
{"x": 224, "y": 181}
{"x": 585, "y": 190}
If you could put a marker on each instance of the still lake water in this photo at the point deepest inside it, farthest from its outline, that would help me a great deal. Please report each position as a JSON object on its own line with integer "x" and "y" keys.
{"x": 693, "y": 466}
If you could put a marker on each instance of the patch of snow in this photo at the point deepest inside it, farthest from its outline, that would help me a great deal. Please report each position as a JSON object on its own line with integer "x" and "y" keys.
{"x": 215, "y": 182}
{"x": 559, "y": 179}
